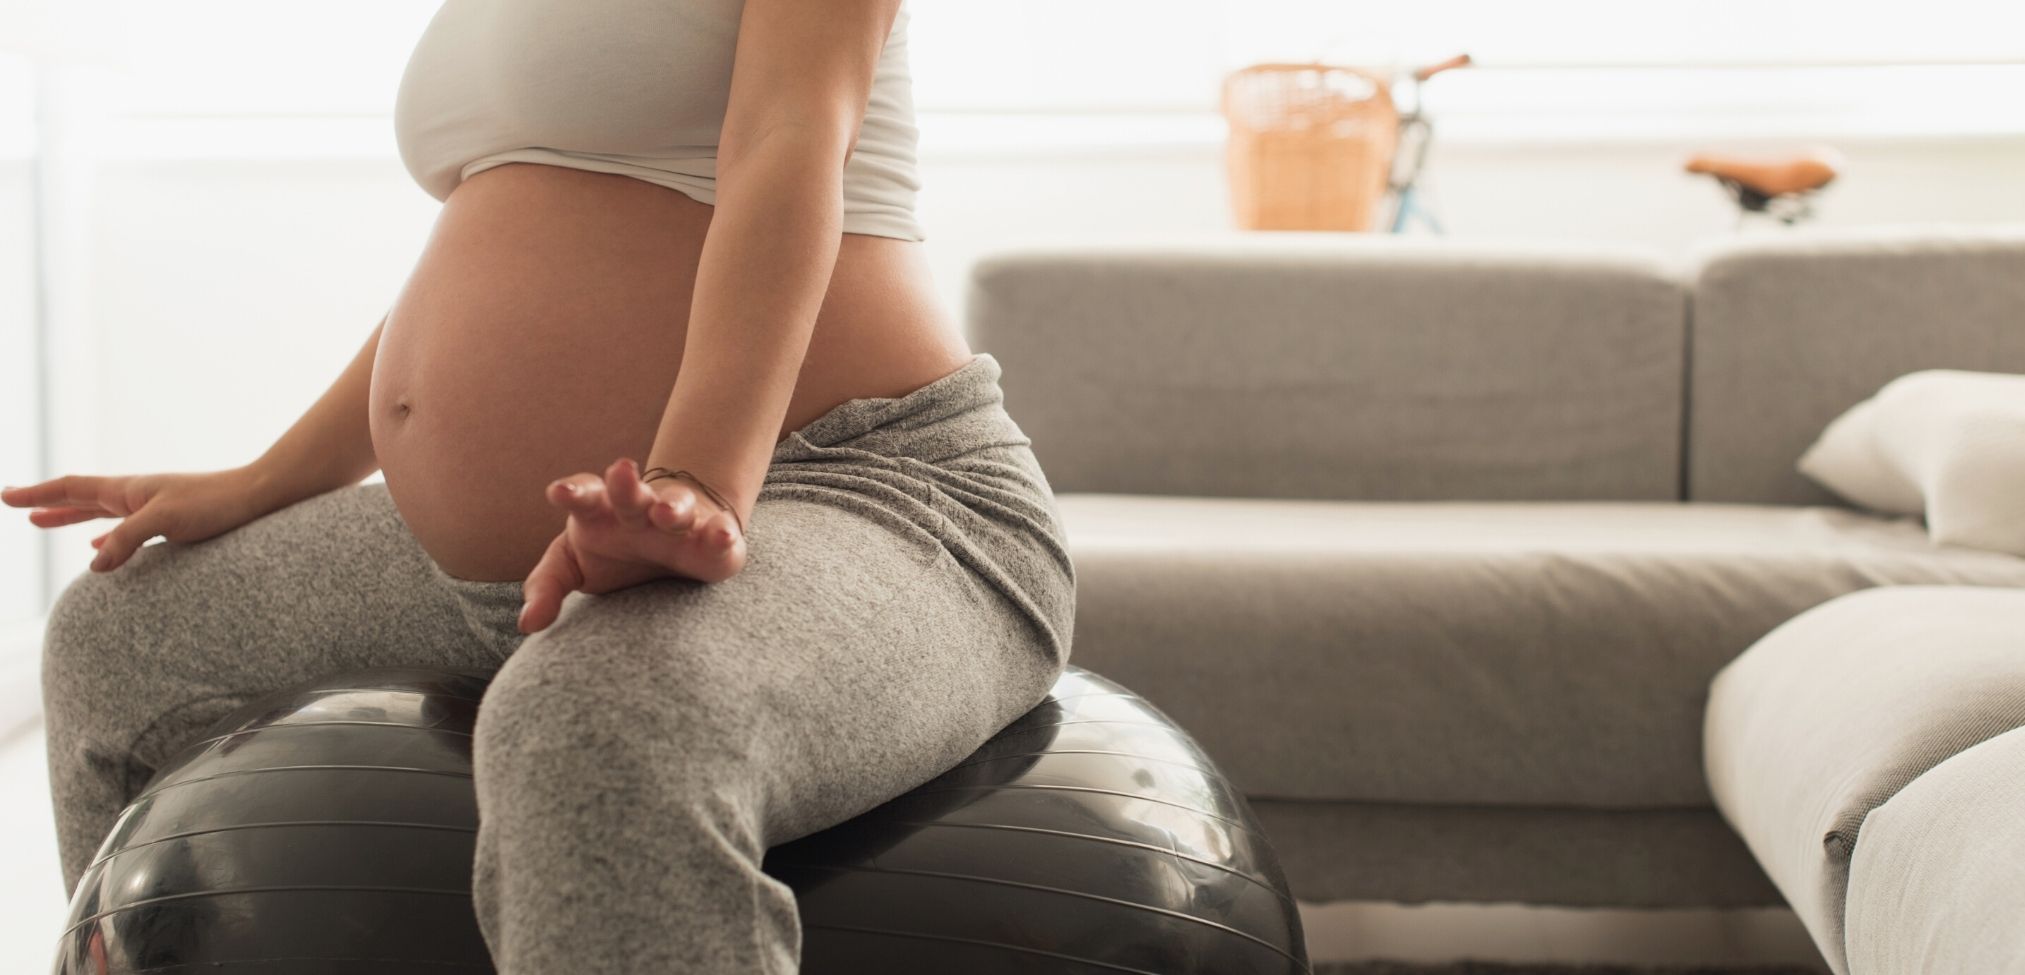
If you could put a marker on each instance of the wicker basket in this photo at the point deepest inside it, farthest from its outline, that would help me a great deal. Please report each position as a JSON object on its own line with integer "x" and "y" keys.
{"x": 1310, "y": 145}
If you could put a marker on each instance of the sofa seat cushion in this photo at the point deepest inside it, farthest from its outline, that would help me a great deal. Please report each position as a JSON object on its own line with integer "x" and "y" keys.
{"x": 1508, "y": 653}
{"x": 1938, "y": 882}
{"x": 1831, "y": 714}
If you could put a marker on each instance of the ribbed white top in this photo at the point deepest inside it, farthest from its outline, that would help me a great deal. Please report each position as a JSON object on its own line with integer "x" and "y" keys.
{"x": 633, "y": 87}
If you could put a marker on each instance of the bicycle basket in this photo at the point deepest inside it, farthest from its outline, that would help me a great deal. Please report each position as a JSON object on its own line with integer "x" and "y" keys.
{"x": 1309, "y": 146}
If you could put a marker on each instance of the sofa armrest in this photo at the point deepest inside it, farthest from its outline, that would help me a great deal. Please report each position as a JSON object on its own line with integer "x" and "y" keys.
{"x": 1935, "y": 884}
{"x": 1829, "y": 716}
{"x": 1341, "y": 367}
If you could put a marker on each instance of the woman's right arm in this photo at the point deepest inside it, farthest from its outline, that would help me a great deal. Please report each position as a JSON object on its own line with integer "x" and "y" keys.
{"x": 330, "y": 447}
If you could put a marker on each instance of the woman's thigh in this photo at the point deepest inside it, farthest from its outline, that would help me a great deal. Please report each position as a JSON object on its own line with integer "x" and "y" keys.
{"x": 847, "y": 663}
{"x": 332, "y": 582}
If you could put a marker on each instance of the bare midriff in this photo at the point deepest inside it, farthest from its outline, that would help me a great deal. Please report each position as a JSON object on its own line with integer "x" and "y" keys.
{"x": 541, "y": 332}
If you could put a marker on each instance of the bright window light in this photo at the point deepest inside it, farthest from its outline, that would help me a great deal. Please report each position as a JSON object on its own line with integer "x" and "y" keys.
{"x": 258, "y": 57}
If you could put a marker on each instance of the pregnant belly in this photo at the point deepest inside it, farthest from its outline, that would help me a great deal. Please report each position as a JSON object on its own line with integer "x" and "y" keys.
{"x": 541, "y": 333}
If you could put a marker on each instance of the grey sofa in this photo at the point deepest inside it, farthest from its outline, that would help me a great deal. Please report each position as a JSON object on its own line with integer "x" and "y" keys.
{"x": 1436, "y": 546}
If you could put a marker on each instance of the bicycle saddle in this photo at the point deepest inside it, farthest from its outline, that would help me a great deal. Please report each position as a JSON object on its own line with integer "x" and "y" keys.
{"x": 1769, "y": 177}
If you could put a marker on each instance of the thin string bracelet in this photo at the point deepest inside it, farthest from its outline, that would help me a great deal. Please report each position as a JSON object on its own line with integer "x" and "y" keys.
{"x": 708, "y": 491}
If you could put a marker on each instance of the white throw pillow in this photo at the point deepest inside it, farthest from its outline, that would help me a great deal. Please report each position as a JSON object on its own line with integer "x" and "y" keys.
{"x": 1846, "y": 460}
{"x": 1946, "y": 443}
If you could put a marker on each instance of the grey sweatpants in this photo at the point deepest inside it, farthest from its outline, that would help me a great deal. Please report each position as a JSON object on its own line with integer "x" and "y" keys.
{"x": 907, "y": 593}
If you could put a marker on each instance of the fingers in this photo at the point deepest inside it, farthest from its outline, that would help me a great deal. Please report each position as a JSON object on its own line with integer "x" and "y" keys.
{"x": 701, "y": 521}
{"x": 582, "y": 495}
{"x": 630, "y": 499}
{"x": 621, "y": 496}
{"x": 670, "y": 507}
{"x": 69, "y": 491}
{"x": 555, "y": 576}
{"x": 725, "y": 533}
{"x": 122, "y": 541}
{"x": 48, "y": 492}
{"x": 76, "y": 498}
{"x": 674, "y": 511}
{"x": 59, "y": 517}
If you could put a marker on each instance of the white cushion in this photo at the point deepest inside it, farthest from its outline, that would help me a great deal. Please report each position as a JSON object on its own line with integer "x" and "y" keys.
{"x": 1846, "y": 460}
{"x": 1831, "y": 714}
{"x": 1945, "y": 443}
{"x": 1937, "y": 882}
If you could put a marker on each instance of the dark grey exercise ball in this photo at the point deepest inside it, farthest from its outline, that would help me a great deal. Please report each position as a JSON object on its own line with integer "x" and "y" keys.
{"x": 1089, "y": 837}
{"x": 328, "y": 830}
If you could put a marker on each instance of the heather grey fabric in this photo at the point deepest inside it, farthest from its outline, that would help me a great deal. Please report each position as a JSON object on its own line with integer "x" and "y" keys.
{"x": 1533, "y": 653}
{"x": 1291, "y": 365}
{"x": 1790, "y": 331}
{"x": 1938, "y": 882}
{"x": 1646, "y": 858}
{"x": 906, "y": 595}
{"x": 1834, "y": 712}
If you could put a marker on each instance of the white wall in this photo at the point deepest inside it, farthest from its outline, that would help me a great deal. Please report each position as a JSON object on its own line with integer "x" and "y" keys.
{"x": 20, "y": 549}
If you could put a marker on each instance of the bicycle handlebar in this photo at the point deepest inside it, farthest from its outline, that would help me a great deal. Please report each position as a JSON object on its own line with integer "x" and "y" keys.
{"x": 1428, "y": 71}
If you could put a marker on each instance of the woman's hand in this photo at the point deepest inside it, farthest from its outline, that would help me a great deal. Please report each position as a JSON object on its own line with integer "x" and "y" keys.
{"x": 179, "y": 507}
{"x": 622, "y": 532}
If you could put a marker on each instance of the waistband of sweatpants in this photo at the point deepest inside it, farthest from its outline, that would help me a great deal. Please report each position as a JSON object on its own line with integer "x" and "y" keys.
{"x": 956, "y": 413}
{"x": 948, "y": 465}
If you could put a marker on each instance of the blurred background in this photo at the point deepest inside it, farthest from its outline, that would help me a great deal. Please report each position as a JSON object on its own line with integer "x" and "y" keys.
{"x": 202, "y": 213}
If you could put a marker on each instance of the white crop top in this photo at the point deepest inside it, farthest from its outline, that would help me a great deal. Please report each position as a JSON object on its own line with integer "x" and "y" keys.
{"x": 633, "y": 87}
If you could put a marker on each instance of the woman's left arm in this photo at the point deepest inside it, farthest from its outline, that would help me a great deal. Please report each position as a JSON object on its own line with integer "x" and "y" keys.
{"x": 801, "y": 77}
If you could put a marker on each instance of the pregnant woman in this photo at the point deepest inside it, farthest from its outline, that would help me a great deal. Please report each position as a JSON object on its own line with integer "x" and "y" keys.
{"x": 675, "y": 437}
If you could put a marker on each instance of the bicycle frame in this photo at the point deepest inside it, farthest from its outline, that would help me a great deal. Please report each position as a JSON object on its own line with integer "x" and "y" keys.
{"x": 1409, "y": 155}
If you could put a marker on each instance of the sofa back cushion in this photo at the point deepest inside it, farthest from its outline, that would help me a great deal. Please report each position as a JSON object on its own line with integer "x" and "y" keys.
{"x": 1323, "y": 366}
{"x": 1791, "y": 330}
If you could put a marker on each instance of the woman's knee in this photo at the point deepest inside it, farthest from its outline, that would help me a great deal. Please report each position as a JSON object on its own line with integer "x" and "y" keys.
{"x": 88, "y": 631}
{"x": 121, "y": 647}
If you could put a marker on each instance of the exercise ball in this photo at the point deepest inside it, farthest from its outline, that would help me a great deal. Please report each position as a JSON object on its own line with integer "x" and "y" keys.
{"x": 1092, "y": 836}
{"x": 328, "y": 830}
